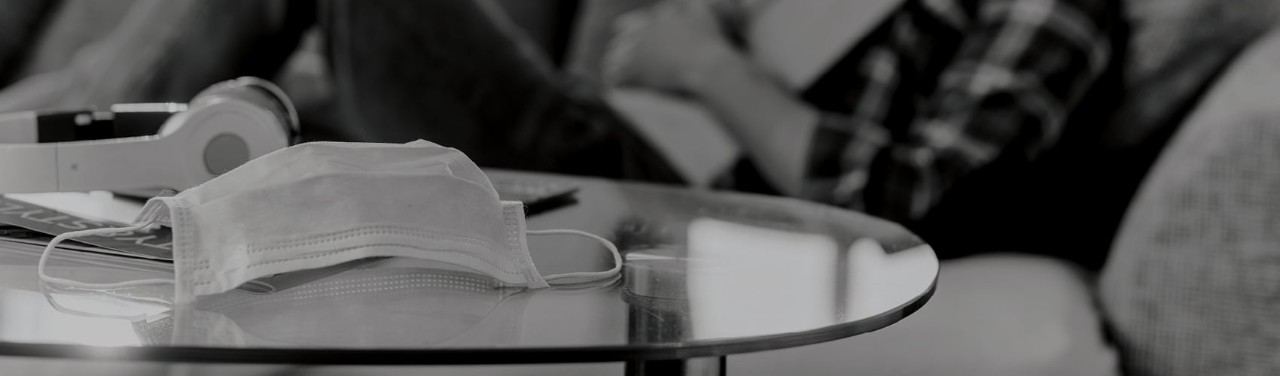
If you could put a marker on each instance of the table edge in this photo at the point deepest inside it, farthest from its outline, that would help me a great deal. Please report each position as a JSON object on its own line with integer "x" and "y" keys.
{"x": 541, "y": 355}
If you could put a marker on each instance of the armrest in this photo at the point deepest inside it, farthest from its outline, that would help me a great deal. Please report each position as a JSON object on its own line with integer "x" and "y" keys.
{"x": 1191, "y": 283}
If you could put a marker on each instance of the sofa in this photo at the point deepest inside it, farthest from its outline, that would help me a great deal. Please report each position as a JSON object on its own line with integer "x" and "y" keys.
{"x": 1189, "y": 283}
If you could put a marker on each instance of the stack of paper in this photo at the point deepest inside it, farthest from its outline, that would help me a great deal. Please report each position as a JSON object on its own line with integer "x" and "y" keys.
{"x": 24, "y": 220}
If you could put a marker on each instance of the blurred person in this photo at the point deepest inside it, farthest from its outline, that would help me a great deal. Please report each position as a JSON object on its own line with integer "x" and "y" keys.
{"x": 20, "y": 23}
{"x": 938, "y": 93}
{"x": 455, "y": 72}
{"x": 942, "y": 98}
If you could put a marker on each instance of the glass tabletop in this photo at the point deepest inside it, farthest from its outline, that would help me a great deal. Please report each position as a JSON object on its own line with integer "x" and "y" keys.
{"x": 705, "y": 274}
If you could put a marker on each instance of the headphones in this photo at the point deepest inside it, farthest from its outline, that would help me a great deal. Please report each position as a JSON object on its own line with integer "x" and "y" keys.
{"x": 145, "y": 147}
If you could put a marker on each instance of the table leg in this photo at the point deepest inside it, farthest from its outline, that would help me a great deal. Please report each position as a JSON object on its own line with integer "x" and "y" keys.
{"x": 714, "y": 366}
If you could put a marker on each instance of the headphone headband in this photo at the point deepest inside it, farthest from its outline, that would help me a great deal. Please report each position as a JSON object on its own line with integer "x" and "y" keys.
{"x": 146, "y": 146}
{"x": 122, "y": 120}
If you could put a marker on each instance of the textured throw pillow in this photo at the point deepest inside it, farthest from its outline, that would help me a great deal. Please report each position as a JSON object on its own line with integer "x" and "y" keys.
{"x": 1192, "y": 286}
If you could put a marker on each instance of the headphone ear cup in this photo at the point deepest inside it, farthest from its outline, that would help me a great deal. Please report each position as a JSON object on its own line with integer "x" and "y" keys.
{"x": 259, "y": 92}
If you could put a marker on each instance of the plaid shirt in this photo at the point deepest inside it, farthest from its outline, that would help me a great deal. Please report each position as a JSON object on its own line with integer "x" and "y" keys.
{"x": 944, "y": 87}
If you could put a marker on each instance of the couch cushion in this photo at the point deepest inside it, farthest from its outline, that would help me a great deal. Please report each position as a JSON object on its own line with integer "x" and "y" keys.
{"x": 1192, "y": 286}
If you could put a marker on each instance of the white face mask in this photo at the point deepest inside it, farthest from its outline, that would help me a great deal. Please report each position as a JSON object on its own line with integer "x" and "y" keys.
{"x": 320, "y": 204}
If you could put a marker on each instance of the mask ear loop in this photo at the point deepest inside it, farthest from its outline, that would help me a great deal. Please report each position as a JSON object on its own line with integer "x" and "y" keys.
{"x": 48, "y": 249}
{"x": 49, "y": 290}
{"x": 582, "y": 277}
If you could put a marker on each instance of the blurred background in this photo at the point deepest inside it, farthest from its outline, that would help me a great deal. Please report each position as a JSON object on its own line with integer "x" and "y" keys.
{"x": 1115, "y": 211}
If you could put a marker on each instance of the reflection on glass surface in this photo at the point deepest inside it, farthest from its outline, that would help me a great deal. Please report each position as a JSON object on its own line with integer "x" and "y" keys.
{"x": 31, "y": 313}
{"x": 746, "y": 280}
{"x": 762, "y": 269}
{"x": 25, "y": 316}
{"x": 396, "y": 303}
{"x": 880, "y": 281}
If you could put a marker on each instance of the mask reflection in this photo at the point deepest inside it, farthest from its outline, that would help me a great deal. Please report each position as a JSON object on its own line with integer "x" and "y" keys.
{"x": 23, "y": 318}
{"x": 389, "y": 303}
{"x": 395, "y": 303}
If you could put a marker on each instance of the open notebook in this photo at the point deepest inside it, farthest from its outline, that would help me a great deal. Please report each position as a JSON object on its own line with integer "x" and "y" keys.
{"x": 796, "y": 40}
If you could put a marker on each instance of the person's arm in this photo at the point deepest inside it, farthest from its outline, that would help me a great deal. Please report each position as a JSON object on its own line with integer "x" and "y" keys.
{"x": 1020, "y": 67}
{"x": 774, "y": 128}
{"x": 168, "y": 51}
{"x": 680, "y": 47}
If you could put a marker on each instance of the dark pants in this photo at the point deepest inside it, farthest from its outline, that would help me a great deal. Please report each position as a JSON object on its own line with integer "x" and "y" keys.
{"x": 454, "y": 72}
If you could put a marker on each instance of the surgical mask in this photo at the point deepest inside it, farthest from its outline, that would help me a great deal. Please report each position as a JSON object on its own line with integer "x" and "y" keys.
{"x": 320, "y": 204}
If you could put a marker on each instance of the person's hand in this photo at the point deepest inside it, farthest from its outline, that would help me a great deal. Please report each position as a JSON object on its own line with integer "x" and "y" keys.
{"x": 668, "y": 47}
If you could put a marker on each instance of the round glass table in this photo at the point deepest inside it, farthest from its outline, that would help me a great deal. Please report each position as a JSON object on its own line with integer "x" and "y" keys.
{"x": 706, "y": 274}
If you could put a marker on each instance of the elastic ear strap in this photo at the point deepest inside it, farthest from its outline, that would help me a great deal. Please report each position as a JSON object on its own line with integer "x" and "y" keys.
{"x": 48, "y": 249}
{"x": 582, "y": 277}
{"x": 53, "y": 302}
